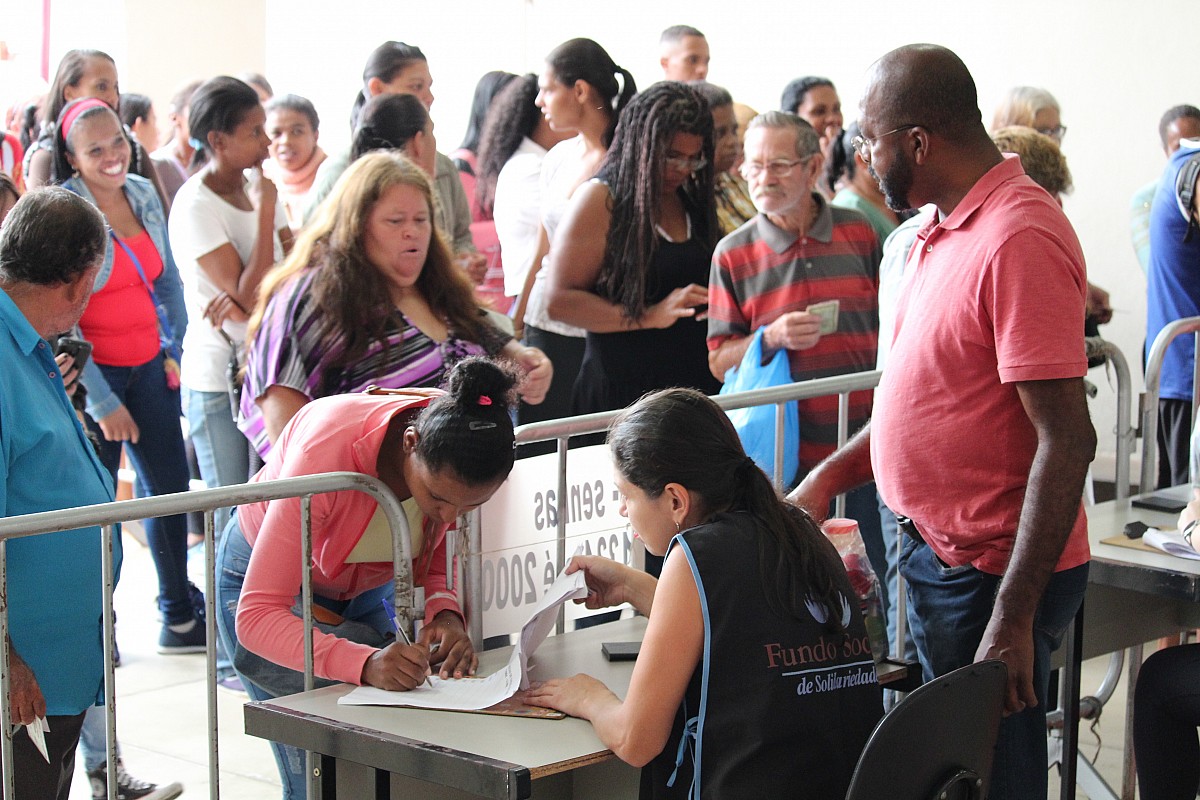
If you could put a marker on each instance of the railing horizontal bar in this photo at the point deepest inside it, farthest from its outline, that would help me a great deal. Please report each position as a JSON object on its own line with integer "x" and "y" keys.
{"x": 802, "y": 390}
{"x": 181, "y": 503}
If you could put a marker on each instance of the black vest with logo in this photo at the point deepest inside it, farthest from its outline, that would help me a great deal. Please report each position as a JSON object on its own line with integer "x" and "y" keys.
{"x": 778, "y": 706}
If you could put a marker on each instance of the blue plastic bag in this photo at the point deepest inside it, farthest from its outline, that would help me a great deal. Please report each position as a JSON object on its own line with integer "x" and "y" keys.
{"x": 756, "y": 425}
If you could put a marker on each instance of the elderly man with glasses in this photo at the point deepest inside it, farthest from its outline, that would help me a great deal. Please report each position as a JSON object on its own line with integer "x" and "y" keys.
{"x": 797, "y": 253}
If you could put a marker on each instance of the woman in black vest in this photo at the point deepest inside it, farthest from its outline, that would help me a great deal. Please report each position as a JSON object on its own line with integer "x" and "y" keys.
{"x": 755, "y": 677}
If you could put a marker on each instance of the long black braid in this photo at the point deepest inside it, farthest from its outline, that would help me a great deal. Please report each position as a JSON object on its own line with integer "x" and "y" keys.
{"x": 633, "y": 171}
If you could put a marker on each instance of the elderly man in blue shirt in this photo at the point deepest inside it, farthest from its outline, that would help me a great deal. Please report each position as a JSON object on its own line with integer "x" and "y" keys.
{"x": 51, "y": 246}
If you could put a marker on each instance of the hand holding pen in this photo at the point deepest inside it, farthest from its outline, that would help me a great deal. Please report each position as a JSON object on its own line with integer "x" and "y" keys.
{"x": 399, "y": 666}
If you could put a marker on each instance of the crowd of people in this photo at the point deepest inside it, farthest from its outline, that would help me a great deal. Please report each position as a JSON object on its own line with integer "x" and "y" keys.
{"x": 589, "y": 246}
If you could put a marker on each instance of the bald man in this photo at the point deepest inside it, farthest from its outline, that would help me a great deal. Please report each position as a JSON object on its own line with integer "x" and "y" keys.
{"x": 980, "y": 435}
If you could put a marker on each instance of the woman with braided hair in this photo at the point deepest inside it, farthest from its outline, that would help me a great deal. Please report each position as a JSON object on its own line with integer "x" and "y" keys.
{"x": 755, "y": 677}
{"x": 631, "y": 260}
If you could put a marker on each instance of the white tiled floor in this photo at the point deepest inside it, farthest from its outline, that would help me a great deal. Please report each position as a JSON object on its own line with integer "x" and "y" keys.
{"x": 161, "y": 709}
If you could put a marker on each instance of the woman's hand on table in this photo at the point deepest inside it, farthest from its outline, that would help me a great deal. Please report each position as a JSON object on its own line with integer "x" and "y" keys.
{"x": 1190, "y": 513}
{"x": 397, "y": 667}
{"x": 450, "y": 646}
{"x": 578, "y": 696}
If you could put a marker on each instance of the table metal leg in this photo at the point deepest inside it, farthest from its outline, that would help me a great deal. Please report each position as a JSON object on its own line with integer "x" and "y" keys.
{"x": 1071, "y": 676}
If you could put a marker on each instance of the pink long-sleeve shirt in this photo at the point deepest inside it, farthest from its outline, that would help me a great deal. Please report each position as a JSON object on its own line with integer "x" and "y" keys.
{"x": 343, "y": 432}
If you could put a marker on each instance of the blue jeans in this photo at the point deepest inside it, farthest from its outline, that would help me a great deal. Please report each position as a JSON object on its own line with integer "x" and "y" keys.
{"x": 222, "y": 452}
{"x": 366, "y": 621}
{"x": 892, "y": 537}
{"x": 93, "y": 739}
{"x": 161, "y": 464}
{"x": 954, "y": 606}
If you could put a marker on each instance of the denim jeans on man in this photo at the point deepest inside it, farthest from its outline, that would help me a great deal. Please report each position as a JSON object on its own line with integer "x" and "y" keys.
{"x": 954, "y": 605}
{"x": 366, "y": 622}
{"x": 161, "y": 464}
{"x": 222, "y": 451}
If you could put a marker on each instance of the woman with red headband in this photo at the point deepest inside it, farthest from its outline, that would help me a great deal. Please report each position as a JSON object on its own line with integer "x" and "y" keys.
{"x": 135, "y": 322}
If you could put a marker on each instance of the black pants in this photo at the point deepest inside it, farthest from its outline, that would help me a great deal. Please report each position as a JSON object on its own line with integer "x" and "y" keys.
{"x": 1166, "y": 713}
{"x": 566, "y": 354}
{"x": 37, "y": 780}
{"x": 1174, "y": 442}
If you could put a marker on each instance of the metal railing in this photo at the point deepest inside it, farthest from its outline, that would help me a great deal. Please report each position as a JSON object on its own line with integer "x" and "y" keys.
{"x": 107, "y": 515}
{"x": 561, "y": 431}
{"x": 1149, "y": 400}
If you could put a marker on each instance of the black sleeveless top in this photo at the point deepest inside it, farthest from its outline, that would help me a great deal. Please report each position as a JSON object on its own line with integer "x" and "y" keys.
{"x": 620, "y": 367}
{"x": 777, "y": 707}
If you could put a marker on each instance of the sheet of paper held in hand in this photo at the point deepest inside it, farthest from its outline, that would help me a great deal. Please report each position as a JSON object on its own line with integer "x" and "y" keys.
{"x": 472, "y": 694}
{"x": 1170, "y": 542}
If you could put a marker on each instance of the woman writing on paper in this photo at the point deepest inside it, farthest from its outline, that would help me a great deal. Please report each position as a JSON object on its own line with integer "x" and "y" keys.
{"x": 751, "y": 595}
{"x": 442, "y": 454}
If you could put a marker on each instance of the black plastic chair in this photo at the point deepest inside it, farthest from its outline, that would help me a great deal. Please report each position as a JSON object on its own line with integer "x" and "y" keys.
{"x": 938, "y": 743}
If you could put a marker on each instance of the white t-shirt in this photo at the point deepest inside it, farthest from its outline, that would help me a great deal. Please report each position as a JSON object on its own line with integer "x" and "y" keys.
{"x": 557, "y": 185}
{"x": 201, "y": 222}
{"x": 517, "y": 212}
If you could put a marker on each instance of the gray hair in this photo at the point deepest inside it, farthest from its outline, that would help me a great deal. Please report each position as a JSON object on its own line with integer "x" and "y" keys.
{"x": 51, "y": 237}
{"x": 807, "y": 141}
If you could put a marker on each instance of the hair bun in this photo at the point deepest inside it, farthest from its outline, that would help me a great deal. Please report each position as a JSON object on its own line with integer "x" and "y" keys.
{"x": 483, "y": 383}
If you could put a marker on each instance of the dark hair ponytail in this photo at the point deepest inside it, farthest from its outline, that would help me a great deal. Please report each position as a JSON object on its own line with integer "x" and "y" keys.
{"x": 628, "y": 92}
{"x": 585, "y": 60}
{"x": 469, "y": 430}
{"x": 681, "y": 436}
{"x": 388, "y": 122}
{"x": 841, "y": 158}
{"x": 384, "y": 63}
{"x": 219, "y": 105}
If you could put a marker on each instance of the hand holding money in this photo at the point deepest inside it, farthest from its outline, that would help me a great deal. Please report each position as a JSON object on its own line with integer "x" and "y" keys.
{"x": 796, "y": 330}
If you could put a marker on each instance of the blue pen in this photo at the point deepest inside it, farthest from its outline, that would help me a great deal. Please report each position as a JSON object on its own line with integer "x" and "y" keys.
{"x": 391, "y": 612}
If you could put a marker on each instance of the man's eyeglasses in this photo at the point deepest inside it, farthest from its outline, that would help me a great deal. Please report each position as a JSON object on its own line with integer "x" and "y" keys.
{"x": 780, "y": 168}
{"x": 863, "y": 145}
{"x": 1056, "y": 134}
{"x": 688, "y": 165}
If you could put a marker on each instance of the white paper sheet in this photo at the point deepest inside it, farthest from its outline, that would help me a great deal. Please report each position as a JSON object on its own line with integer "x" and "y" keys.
{"x": 1170, "y": 542}
{"x": 473, "y": 694}
{"x": 37, "y": 733}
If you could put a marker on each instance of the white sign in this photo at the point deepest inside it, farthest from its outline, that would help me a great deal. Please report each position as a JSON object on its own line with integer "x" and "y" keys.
{"x": 519, "y": 532}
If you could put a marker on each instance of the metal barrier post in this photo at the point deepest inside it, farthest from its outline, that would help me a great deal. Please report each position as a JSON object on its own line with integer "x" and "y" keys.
{"x": 6, "y": 726}
{"x": 107, "y": 514}
{"x": 780, "y": 423}
{"x": 1149, "y": 401}
{"x": 110, "y": 678}
{"x": 564, "y": 510}
{"x": 210, "y": 650}
{"x": 473, "y": 580}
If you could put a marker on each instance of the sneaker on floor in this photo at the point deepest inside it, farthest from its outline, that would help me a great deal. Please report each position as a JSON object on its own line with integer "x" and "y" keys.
{"x": 175, "y": 642}
{"x": 231, "y": 683}
{"x": 129, "y": 787}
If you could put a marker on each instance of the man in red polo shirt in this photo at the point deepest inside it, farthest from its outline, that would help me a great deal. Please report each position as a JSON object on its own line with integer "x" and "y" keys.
{"x": 980, "y": 433}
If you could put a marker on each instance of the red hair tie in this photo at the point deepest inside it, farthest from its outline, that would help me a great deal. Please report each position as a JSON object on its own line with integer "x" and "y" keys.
{"x": 484, "y": 400}
{"x": 73, "y": 111}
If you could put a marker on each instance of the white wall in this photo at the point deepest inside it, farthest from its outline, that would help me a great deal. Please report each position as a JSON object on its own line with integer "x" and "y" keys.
{"x": 1114, "y": 67}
